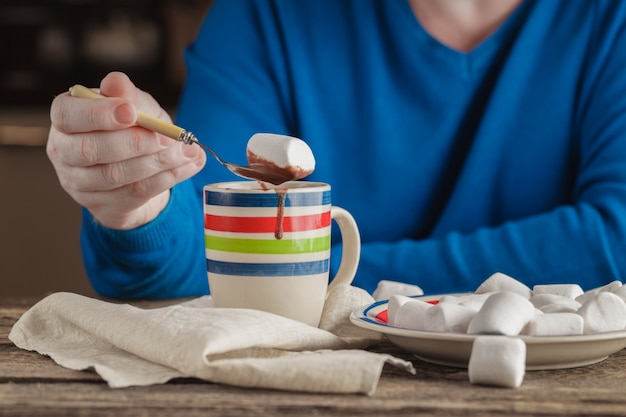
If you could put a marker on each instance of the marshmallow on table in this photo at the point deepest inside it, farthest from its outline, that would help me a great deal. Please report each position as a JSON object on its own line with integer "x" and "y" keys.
{"x": 497, "y": 360}
{"x": 284, "y": 153}
{"x": 504, "y": 313}
{"x": 610, "y": 287}
{"x": 566, "y": 290}
{"x": 448, "y": 317}
{"x": 385, "y": 289}
{"x": 555, "y": 324}
{"x": 604, "y": 312}
{"x": 501, "y": 282}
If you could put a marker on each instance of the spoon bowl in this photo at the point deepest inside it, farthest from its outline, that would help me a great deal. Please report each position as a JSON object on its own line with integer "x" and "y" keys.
{"x": 258, "y": 172}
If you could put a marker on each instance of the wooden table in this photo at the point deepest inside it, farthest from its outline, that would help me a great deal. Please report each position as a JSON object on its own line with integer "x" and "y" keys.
{"x": 32, "y": 385}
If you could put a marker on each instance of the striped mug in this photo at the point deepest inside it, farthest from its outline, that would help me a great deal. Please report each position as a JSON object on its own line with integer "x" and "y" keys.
{"x": 269, "y": 249}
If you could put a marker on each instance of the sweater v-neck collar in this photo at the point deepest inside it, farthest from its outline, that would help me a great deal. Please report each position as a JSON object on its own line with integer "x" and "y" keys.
{"x": 466, "y": 63}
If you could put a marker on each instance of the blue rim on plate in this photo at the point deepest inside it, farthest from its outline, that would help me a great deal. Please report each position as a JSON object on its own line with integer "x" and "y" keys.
{"x": 454, "y": 349}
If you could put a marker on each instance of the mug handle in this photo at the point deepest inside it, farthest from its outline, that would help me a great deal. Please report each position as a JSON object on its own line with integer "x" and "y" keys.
{"x": 351, "y": 247}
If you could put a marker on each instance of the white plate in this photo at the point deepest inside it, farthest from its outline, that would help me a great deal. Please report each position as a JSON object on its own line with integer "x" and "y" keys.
{"x": 454, "y": 349}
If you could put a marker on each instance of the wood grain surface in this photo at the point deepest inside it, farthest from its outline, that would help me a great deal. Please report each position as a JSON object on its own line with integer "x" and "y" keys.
{"x": 33, "y": 385}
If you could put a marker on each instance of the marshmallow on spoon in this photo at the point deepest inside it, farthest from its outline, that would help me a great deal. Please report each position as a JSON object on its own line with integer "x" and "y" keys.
{"x": 289, "y": 156}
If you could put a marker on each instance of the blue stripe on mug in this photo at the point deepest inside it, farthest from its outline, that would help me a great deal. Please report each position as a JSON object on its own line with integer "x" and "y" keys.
{"x": 268, "y": 270}
{"x": 266, "y": 199}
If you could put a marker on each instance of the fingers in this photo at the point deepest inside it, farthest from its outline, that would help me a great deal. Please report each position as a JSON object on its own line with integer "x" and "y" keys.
{"x": 73, "y": 115}
{"x": 125, "y": 194}
{"x": 119, "y": 171}
{"x": 115, "y": 112}
{"x": 103, "y": 147}
{"x": 136, "y": 203}
{"x": 110, "y": 176}
{"x": 117, "y": 84}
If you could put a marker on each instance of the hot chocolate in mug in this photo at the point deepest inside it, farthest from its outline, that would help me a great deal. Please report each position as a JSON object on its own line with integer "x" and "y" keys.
{"x": 269, "y": 249}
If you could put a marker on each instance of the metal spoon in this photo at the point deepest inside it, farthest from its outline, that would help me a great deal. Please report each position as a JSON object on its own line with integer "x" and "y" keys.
{"x": 257, "y": 171}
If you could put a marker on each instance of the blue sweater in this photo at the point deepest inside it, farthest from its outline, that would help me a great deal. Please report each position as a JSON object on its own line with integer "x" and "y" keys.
{"x": 509, "y": 158}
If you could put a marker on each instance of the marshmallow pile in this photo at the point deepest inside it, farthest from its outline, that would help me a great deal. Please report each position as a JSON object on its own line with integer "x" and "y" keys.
{"x": 286, "y": 154}
{"x": 502, "y": 306}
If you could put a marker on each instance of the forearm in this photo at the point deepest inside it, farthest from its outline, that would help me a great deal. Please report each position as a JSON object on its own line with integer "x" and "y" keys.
{"x": 568, "y": 245}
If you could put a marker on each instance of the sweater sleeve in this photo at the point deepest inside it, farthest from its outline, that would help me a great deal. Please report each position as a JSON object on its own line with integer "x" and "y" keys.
{"x": 162, "y": 259}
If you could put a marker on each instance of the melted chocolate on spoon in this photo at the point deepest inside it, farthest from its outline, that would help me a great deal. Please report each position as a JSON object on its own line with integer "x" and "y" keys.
{"x": 262, "y": 169}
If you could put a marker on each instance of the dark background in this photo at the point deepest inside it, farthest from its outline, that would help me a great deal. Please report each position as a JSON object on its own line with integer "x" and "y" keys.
{"x": 46, "y": 46}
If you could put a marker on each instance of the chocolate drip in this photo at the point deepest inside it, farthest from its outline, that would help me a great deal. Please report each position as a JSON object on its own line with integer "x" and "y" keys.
{"x": 280, "y": 213}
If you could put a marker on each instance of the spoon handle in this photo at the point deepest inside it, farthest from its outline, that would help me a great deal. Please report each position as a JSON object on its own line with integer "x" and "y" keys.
{"x": 144, "y": 120}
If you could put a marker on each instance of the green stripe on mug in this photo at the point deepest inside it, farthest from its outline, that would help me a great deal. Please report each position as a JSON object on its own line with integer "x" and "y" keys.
{"x": 267, "y": 246}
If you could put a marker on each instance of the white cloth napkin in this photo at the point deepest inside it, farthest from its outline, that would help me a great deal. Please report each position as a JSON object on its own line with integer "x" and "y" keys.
{"x": 128, "y": 346}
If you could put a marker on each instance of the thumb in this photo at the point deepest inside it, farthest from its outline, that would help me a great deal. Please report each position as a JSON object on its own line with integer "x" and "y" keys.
{"x": 117, "y": 84}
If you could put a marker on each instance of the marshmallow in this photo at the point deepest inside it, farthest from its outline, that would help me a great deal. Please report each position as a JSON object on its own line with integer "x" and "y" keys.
{"x": 385, "y": 289}
{"x": 500, "y": 282}
{"x": 503, "y": 313}
{"x": 621, "y": 292}
{"x": 473, "y": 301}
{"x": 282, "y": 152}
{"x": 452, "y": 299}
{"x": 566, "y": 290}
{"x": 556, "y": 302}
{"x": 556, "y": 324}
{"x": 448, "y": 317}
{"x": 610, "y": 287}
{"x": 409, "y": 314}
{"x": 605, "y": 312}
{"x": 394, "y": 304}
{"x": 497, "y": 360}
{"x": 560, "y": 308}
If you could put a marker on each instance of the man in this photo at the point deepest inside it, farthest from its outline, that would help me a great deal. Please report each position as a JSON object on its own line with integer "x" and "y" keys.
{"x": 466, "y": 138}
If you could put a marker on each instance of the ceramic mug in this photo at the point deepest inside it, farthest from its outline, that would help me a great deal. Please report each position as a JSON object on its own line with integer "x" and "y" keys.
{"x": 269, "y": 249}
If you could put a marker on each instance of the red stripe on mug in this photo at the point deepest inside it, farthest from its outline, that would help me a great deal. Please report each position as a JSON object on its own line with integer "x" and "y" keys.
{"x": 265, "y": 224}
